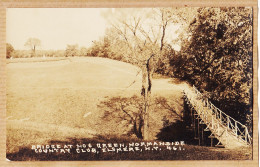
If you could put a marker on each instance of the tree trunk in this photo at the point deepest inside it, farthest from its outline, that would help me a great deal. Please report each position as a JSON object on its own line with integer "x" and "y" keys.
{"x": 33, "y": 51}
{"x": 138, "y": 125}
{"x": 146, "y": 93}
{"x": 145, "y": 107}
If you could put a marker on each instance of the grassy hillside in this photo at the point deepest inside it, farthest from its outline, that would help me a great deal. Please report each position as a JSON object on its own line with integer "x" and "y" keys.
{"x": 57, "y": 101}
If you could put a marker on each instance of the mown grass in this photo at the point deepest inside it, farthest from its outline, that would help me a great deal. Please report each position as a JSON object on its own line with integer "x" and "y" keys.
{"x": 190, "y": 152}
{"x": 49, "y": 104}
{"x": 37, "y": 59}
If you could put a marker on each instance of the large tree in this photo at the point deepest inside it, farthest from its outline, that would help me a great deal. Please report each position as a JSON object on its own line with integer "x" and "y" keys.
{"x": 143, "y": 35}
{"x": 217, "y": 58}
{"x": 33, "y": 43}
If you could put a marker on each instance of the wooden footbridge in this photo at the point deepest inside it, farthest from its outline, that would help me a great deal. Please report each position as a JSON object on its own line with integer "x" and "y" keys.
{"x": 207, "y": 117}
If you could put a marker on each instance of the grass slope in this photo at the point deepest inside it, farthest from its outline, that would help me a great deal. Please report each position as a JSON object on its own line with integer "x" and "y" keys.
{"x": 57, "y": 101}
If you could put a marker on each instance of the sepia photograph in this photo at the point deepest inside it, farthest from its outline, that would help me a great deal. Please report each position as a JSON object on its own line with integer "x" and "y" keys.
{"x": 102, "y": 84}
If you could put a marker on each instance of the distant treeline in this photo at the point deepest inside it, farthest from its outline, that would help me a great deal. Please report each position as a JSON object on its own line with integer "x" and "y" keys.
{"x": 39, "y": 53}
{"x": 71, "y": 50}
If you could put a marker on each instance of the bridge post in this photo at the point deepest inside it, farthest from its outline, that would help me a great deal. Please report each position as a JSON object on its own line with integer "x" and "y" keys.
{"x": 202, "y": 134}
{"x": 220, "y": 115}
{"x": 226, "y": 135}
{"x": 236, "y": 128}
{"x": 246, "y": 133}
{"x": 199, "y": 130}
{"x": 228, "y": 122}
{"x": 194, "y": 124}
{"x": 212, "y": 122}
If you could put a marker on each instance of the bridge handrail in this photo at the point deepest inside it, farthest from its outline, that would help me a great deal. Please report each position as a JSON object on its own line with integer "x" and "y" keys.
{"x": 238, "y": 129}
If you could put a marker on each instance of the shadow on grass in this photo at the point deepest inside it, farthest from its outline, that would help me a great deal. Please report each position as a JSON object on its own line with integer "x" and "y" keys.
{"x": 177, "y": 131}
{"x": 188, "y": 152}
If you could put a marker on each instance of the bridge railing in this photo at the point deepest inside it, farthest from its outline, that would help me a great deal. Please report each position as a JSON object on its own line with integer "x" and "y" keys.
{"x": 237, "y": 128}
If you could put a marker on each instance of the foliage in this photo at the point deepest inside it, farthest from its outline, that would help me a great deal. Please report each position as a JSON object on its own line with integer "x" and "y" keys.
{"x": 134, "y": 38}
{"x": 217, "y": 58}
{"x": 39, "y": 53}
{"x": 9, "y": 50}
{"x": 71, "y": 51}
{"x": 21, "y": 54}
{"x": 33, "y": 43}
{"x": 102, "y": 48}
{"x": 142, "y": 39}
{"x": 83, "y": 51}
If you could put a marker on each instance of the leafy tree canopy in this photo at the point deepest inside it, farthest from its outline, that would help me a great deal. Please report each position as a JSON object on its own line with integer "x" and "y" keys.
{"x": 9, "y": 50}
{"x": 217, "y": 58}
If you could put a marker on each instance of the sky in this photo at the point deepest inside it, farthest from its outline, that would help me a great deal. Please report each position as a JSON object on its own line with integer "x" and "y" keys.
{"x": 59, "y": 27}
{"x": 56, "y": 28}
